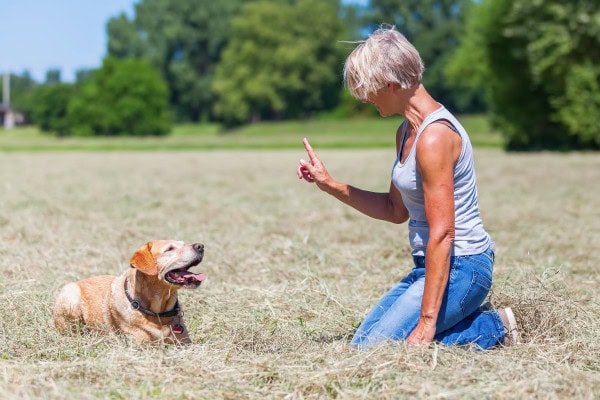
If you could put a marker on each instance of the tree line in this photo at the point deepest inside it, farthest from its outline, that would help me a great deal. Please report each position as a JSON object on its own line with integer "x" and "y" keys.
{"x": 532, "y": 66}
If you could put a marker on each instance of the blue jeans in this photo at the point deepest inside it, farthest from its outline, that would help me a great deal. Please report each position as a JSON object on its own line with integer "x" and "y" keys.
{"x": 461, "y": 320}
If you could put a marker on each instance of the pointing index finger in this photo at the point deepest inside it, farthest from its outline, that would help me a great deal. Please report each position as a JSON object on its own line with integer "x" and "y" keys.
{"x": 309, "y": 149}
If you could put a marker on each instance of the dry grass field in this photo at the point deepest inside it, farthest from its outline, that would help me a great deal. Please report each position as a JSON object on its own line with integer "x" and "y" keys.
{"x": 291, "y": 272}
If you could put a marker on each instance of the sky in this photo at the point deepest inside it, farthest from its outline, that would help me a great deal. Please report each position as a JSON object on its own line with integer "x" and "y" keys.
{"x": 68, "y": 35}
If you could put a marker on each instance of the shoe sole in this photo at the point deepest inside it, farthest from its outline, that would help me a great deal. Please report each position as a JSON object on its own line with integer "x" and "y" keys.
{"x": 512, "y": 326}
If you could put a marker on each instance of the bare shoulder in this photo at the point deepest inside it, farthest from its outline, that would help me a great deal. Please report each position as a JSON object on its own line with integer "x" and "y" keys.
{"x": 438, "y": 141}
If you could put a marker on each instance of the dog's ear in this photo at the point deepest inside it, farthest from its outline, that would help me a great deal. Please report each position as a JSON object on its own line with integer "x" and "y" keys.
{"x": 143, "y": 260}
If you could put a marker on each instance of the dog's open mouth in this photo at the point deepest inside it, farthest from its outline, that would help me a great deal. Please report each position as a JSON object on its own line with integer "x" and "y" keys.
{"x": 183, "y": 277}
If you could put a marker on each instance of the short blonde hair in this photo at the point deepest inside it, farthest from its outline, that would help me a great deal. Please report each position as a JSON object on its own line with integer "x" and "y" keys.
{"x": 385, "y": 57}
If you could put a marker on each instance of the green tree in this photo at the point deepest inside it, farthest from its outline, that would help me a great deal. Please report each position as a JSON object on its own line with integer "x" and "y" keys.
{"x": 124, "y": 97}
{"x": 434, "y": 27}
{"x": 183, "y": 39}
{"x": 50, "y": 105}
{"x": 83, "y": 75}
{"x": 538, "y": 61}
{"x": 282, "y": 61}
{"x": 124, "y": 40}
{"x": 352, "y": 18}
{"x": 53, "y": 76}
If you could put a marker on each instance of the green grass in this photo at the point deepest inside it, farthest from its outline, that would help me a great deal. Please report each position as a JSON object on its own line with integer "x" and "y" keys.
{"x": 359, "y": 133}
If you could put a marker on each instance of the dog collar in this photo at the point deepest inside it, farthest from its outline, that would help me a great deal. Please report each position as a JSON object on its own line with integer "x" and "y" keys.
{"x": 138, "y": 306}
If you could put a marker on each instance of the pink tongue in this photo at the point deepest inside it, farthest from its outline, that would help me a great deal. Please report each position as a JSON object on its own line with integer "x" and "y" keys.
{"x": 193, "y": 277}
{"x": 183, "y": 276}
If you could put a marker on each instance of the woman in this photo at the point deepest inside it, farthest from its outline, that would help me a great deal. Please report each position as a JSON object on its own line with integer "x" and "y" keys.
{"x": 433, "y": 187}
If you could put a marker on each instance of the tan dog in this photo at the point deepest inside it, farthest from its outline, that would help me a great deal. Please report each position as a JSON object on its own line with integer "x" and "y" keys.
{"x": 142, "y": 301}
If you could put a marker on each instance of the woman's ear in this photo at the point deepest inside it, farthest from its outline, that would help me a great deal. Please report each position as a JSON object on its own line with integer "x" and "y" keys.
{"x": 143, "y": 260}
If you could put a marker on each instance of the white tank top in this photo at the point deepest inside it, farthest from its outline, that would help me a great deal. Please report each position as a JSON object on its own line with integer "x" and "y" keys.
{"x": 470, "y": 236}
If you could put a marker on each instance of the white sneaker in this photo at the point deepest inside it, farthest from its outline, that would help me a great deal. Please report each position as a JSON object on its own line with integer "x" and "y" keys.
{"x": 511, "y": 335}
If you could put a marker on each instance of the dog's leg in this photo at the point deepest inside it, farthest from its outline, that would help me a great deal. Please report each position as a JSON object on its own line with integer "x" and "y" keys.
{"x": 182, "y": 338}
{"x": 180, "y": 332}
{"x": 68, "y": 316}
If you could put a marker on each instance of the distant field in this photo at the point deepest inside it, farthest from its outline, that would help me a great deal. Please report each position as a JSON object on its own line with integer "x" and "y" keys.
{"x": 291, "y": 273}
{"x": 360, "y": 133}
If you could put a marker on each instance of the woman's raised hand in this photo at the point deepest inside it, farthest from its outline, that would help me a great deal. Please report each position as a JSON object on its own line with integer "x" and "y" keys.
{"x": 312, "y": 171}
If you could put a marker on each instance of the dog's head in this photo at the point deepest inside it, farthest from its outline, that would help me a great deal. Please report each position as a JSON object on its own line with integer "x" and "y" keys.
{"x": 170, "y": 261}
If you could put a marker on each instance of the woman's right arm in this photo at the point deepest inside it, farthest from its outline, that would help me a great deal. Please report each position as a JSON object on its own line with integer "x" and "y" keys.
{"x": 385, "y": 206}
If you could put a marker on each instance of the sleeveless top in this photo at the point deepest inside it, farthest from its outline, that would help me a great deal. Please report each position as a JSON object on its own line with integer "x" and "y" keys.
{"x": 470, "y": 236}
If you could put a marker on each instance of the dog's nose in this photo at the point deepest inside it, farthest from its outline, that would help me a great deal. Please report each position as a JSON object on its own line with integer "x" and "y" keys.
{"x": 199, "y": 247}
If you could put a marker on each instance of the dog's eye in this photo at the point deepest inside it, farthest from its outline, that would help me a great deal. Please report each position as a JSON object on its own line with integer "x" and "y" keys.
{"x": 170, "y": 248}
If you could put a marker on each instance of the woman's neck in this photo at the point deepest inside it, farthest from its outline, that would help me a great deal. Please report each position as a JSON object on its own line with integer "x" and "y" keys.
{"x": 418, "y": 104}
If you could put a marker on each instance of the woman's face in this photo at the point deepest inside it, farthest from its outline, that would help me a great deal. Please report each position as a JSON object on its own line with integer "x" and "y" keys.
{"x": 382, "y": 100}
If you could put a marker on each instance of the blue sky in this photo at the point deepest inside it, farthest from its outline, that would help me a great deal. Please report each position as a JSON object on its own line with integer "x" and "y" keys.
{"x": 37, "y": 35}
{"x": 69, "y": 35}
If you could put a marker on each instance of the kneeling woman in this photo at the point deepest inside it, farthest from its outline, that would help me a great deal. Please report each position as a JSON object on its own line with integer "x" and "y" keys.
{"x": 433, "y": 188}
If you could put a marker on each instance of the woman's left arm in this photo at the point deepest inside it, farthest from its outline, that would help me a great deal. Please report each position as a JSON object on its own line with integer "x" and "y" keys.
{"x": 438, "y": 150}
